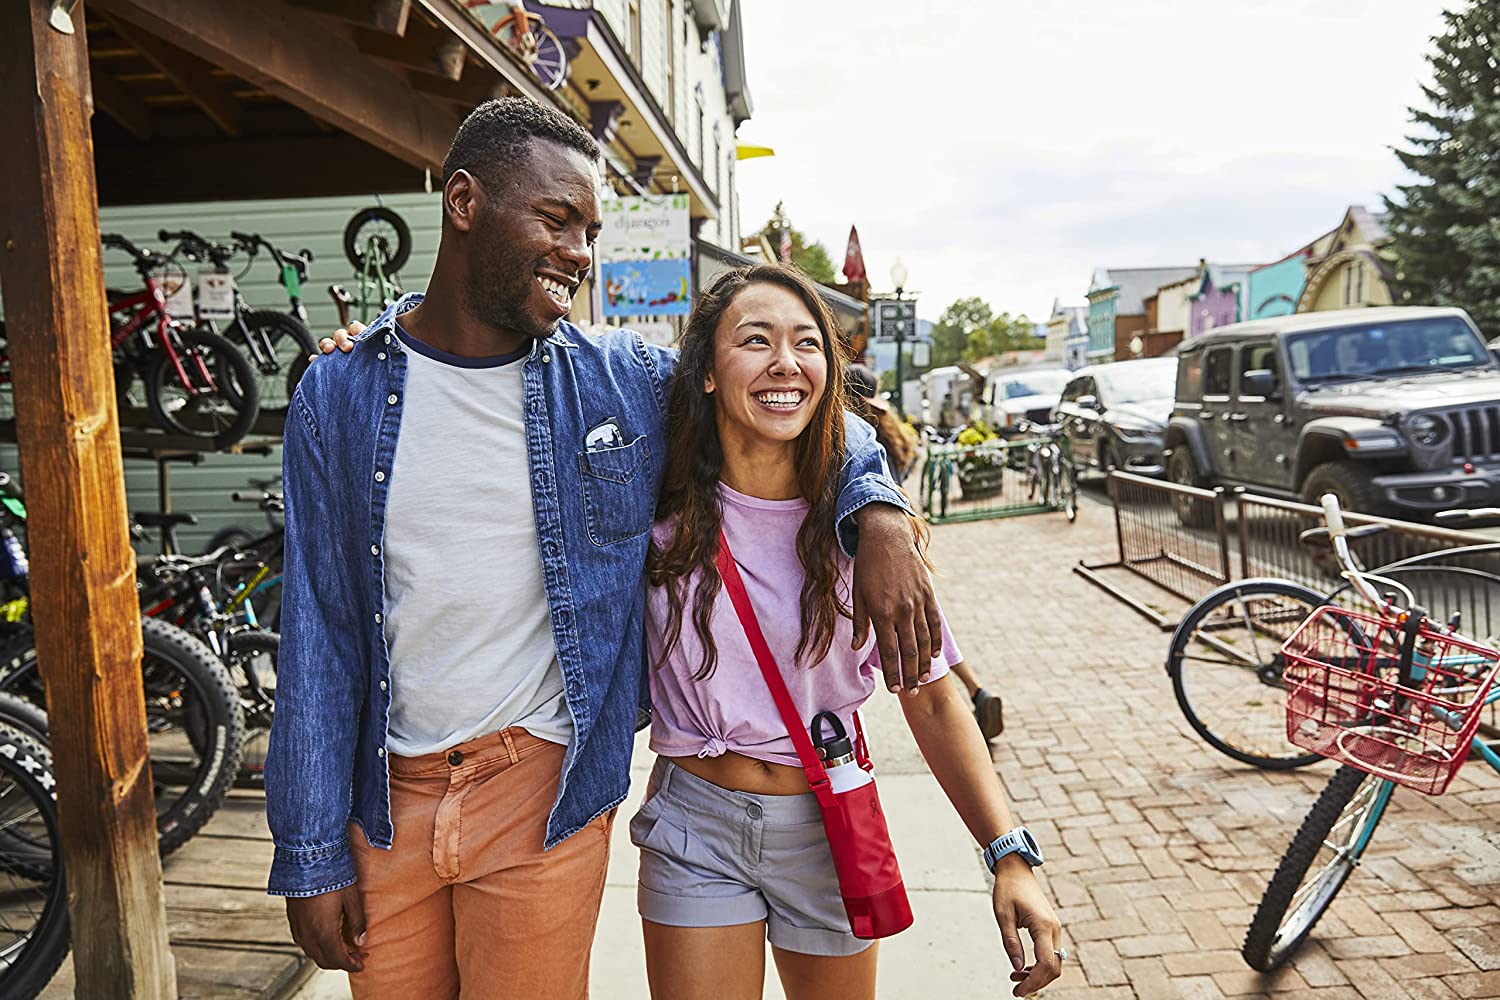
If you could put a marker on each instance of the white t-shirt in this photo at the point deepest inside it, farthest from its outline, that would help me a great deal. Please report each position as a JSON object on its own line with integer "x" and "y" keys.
{"x": 466, "y": 618}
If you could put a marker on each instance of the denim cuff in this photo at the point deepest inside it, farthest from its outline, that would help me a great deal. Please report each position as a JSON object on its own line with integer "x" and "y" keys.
{"x": 311, "y": 871}
{"x": 870, "y": 488}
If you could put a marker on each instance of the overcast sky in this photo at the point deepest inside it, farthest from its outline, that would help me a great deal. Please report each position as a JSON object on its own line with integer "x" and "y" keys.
{"x": 1006, "y": 148}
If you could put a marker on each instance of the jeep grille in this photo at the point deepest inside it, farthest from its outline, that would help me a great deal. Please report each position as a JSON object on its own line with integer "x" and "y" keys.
{"x": 1476, "y": 432}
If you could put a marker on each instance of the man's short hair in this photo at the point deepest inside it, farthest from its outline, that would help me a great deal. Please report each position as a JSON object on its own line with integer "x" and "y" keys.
{"x": 498, "y": 134}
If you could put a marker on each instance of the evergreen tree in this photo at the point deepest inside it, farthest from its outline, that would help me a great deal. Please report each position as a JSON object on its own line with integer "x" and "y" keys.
{"x": 1446, "y": 226}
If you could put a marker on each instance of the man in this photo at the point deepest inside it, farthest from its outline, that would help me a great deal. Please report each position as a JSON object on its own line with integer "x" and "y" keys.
{"x": 469, "y": 493}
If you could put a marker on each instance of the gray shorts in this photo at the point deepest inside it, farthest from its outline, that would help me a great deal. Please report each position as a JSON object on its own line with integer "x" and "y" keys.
{"x": 711, "y": 857}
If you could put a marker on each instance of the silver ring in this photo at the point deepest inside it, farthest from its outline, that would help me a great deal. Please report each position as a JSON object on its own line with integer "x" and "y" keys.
{"x": 1061, "y": 953}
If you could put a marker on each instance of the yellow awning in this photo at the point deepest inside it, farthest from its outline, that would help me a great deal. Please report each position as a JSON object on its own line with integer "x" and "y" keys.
{"x": 743, "y": 152}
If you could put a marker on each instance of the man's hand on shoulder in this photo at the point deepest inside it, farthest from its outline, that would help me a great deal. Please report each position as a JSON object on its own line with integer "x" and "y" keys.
{"x": 342, "y": 340}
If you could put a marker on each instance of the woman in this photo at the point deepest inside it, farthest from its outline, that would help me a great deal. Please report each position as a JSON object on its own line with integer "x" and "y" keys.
{"x": 732, "y": 847}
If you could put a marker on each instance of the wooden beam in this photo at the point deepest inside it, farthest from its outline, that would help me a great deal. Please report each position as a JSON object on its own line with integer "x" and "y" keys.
{"x": 416, "y": 50}
{"x": 389, "y": 16}
{"x": 210, "y": 170}
{"x": 470, "y": 93}
{"x": 192, "y": 75}
{"x": 121, "y": 105}
{"x": 291, "y": 54}
{"x": 82, "y": 570}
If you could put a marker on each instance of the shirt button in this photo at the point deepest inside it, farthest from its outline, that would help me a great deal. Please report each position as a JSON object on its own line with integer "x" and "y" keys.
{"x": 374, "y": 550}
{"x": 378, "y": 619}
{"x": 380, "y": 477}
{"x": 391, "y": 399}
{"x": 753, "y": 810}
{"x": 455, "y": 758}
{"x": 380, "y": 752}
{"x": 546, "y": 358}
{"x": 387, "y": 338}
{"x": 381, "y": 355}
{"x": 383, "y": 685}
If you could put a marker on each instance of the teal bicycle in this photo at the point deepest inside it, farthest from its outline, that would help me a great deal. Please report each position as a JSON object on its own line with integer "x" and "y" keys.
{"x": 1397, "y": 699}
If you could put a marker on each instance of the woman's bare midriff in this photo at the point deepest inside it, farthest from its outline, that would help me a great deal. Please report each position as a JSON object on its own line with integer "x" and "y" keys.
{"x": 739, "y": 773}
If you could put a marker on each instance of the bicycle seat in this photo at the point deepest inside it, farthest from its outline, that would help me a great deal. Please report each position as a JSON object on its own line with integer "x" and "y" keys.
{"x": 157, "y": 519}
{"x": 1320, "y": 536}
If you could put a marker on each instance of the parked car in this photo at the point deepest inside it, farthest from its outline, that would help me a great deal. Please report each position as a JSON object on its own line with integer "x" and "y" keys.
{"x": 1013, "y": 396}
{"x": 1115, "y": 414}
{"x": 1394, "y": 410}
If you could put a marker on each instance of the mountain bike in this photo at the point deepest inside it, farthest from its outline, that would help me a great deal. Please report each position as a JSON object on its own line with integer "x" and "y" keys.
{"x": 196, "y": 383}
{"x": 533, "y": 43}
{"x": 377, "y": 242}
{"x": 278, "y": 345}
{"x": 1396, "y": 698}
{"x": 34, "y": 934}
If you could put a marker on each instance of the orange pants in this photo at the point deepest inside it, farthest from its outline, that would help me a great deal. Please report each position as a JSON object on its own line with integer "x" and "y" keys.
{"x": 466, "y": 903}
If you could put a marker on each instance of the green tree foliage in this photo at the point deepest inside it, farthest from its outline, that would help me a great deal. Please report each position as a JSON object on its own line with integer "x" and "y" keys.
{"x": 960, "y": 321}
{"x": 1003, "y": 333}
{"x": 811, "y": 257}
{"x": 1446, "y": 225}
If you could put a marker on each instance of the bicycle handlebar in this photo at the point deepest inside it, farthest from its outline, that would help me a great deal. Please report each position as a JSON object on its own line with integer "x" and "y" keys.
{"x": 118, "y": 242}
{"x": 251, "y": 242}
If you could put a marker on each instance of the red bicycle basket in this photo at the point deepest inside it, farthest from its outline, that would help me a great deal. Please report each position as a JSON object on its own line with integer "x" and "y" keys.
{"x": 1344, "y": 700}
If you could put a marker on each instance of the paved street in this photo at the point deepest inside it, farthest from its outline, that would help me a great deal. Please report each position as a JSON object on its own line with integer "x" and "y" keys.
{"x": 1157, "y": 847}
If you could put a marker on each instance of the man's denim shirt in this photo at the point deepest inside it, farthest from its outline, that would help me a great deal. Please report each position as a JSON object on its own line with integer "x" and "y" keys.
{"x": 326, "y": 764}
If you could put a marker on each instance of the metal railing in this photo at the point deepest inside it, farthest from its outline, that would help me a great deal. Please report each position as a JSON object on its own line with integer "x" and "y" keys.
{"x": 1188, "y": 541}
{"x": 967, "y": 483}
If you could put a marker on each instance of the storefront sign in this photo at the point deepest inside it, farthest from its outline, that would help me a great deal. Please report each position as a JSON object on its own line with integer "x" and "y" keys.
{"x": 645, "y": 252}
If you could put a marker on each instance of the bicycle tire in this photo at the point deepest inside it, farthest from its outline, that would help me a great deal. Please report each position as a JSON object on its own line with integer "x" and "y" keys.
{"x": 180, "y": 675}
{"x": 28, "y": 964}
{"x": 228, "y": 367}
{"x": 293, "y": 345}
{"x": 1070, "y": 491}
{"x": 1246, "y": 703}
{"x": 354, "y": 246}
{"x": 242, "y": 654}
{"x": 1270, "y": 942}
{"x": 25, "y": 716}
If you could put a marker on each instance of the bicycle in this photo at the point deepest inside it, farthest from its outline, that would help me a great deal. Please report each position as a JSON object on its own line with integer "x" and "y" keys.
{"x": 377, "y": 241}
{"x": 1050, "y": 472}
{"x": 1225, "y": 660}
{"x": 196, "y": 383}
{"x": 528, "y": 37}
{"x": 1396, "y": 699}
{"x": 278, "y": 345}
{"x": 34, "y": 934}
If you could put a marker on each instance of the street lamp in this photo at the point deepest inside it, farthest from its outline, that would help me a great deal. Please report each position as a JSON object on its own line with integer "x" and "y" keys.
{"x": 898, "y": 278}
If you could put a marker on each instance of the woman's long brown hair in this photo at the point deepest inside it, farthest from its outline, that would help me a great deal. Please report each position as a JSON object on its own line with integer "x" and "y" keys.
{"x": 695, "y": 459}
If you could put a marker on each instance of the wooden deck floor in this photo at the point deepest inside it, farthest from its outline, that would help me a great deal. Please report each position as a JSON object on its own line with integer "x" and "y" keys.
{"x": 229, "y": 938}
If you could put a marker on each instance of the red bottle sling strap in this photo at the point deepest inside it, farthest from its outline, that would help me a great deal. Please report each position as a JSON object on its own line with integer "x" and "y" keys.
{"x": 858, "y": 838}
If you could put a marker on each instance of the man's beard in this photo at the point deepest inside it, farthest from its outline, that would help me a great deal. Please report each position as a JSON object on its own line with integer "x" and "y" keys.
{"x": 497, "y": 290}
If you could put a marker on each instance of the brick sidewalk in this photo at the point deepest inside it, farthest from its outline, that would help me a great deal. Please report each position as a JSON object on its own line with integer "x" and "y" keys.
{"x": 1158, "y": 847}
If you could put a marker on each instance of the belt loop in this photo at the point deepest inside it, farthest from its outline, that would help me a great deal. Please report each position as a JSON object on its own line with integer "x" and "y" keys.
{"x": 510, "y": 747}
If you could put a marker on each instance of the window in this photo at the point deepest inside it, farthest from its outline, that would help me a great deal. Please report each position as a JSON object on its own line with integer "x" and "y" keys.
{"x": 635, "y": 32}
{"x": 1216, "y": 373}
{"x": 718, "y": 162}
{"x": 1368, "y": 349}
{"x": 1189, "y": 375}
{"x": 1074, "y": 390}
{"x": 671, "y": 96}
{"x": 1258, "y": 357}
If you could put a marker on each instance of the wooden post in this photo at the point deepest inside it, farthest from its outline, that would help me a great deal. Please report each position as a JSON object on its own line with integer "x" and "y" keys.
{"x": 83, "y": 574}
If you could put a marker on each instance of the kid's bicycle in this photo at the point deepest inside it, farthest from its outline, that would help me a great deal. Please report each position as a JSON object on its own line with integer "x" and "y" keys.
{"x": 377, "y": 242}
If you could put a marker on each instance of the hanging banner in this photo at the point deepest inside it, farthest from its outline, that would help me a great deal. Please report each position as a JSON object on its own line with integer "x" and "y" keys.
{"x": 645, "y": 252}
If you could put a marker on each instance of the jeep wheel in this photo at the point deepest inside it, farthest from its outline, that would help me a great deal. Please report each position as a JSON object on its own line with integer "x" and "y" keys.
{"x": 1193, "y": 512}
{"x": 1351, "y": 482}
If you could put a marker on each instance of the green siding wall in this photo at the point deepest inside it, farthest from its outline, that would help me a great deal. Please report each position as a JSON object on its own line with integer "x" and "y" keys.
{"x": 316, "y": 224}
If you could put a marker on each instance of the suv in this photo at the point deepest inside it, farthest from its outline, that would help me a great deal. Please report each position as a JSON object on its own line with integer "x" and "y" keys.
{"x": 1393, "y": 410}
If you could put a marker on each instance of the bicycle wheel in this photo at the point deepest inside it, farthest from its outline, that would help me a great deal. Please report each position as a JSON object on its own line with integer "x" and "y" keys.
{"x": 287, "y": 343}
{"x": 1068, "y": 490}
{"x": 193, "y": 721}
{"x": 34, "y": 937}
{"x": 222, "y": 408}
{"x": 251, "y": 658}
{"x": 382, "y": 224}
{"x": 1327, "y": 847}
{"x": 1225, "y": 663}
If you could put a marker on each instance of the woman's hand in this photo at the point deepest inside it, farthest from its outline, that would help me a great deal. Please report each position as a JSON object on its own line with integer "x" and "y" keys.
{"x": 342, "y": 340}
{"x": 893, "y": 591}
{"x": 1020, "y": 903}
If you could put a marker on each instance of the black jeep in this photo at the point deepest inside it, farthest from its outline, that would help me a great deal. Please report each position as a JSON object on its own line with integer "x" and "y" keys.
{"x": 1394, "y": 410}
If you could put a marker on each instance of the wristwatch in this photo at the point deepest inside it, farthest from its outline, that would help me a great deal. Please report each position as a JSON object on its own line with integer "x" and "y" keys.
{"x": 1018, "y": 841}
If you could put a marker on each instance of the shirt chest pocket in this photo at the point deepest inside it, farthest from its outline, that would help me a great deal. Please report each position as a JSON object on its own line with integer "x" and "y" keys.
{"x": 618, "y": 495}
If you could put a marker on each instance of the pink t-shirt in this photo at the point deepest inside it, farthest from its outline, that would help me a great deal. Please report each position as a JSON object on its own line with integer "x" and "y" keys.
{"x": 733, "y": 708}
